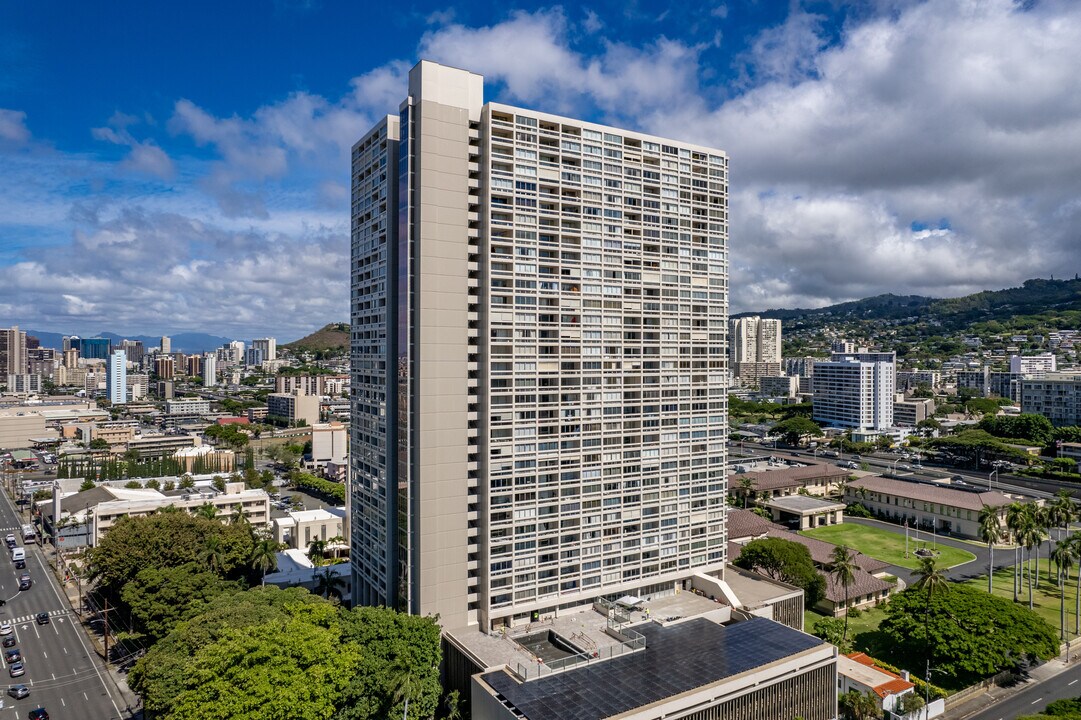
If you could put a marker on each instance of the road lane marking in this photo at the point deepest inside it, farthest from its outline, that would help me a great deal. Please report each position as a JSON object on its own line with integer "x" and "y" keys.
{"x": 1071, "y": 682}
{"x": 85, "y": 697}
{"x": 1036, "y": 701}
{"x": 62, "y": 702}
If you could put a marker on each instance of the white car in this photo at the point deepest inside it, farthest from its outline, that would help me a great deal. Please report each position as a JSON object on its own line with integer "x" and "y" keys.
{"x": 5, "y": 629}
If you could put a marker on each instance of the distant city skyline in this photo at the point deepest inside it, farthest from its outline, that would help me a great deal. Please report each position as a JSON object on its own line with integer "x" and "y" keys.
{"x": 893, "y": 146}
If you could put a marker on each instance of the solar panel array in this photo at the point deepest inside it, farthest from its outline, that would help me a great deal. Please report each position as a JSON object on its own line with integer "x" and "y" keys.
{"x": 677, "y": 659}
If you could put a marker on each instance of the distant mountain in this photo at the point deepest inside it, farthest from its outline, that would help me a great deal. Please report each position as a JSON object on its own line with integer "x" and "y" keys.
{"x": 330, "y": 338}
{"x": 1055, "y": 301}
{"x": 879, "y": 307}
{"x": 190, "y": 343}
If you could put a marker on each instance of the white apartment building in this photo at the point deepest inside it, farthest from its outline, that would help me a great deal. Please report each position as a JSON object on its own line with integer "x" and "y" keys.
{"x": 1034, "y": 365}
{"x": 187, "y": 406}
{"x": 539, "y": 308}
{"x": 24, "y": 384}
{"x": 210, "y": 370}
{"x": 116, "y": 377}
{"x": 329, "y": 443}
{"x": 1056, "y": 396}
{"x": 855, "y": 391}
{"x": 294, "y": 406}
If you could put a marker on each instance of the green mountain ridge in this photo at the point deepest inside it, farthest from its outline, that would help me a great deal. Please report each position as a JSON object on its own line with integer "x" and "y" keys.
{"x": 333, "y": 337}
{"x": 1047, "y": 304}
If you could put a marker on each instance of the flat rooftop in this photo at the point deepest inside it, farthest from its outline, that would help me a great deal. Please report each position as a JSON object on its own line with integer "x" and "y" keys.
{"x": 678, "y": 658}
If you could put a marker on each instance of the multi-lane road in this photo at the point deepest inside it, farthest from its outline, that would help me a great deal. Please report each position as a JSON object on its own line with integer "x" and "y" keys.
{"x": 63, "y": 673}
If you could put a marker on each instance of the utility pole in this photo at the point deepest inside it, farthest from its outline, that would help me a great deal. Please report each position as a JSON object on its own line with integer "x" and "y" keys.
{"x": 105, "y": 612}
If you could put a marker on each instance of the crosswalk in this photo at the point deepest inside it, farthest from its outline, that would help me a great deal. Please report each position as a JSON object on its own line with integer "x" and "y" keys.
{"x": 29, "y": 618}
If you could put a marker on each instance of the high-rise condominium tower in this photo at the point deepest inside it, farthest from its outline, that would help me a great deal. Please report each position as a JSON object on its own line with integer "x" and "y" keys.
{"x": 116, "y": 377}
{"x": 539, "y": 307}
{"x": 754, "y": 347}
{"x": 267, "y": 346}
{"x": 13, "y": 360}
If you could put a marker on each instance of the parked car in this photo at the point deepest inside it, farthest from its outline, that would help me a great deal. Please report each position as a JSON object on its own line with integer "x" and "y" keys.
{"x": 13, "y": 656}
{"x": 42, "y": 618}
{"x": 18, "y": 691}
{"x": 10, "y": 641}
{"x": 39, "y": 714}
{"x": 16, "y": 670}
{"x": 5, "y": 628}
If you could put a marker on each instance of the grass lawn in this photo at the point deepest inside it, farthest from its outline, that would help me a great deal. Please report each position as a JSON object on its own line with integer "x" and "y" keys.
{"x": 867, "y": 622}
{"x": 1045, "y": 595}
{"x": 885, "y": 545}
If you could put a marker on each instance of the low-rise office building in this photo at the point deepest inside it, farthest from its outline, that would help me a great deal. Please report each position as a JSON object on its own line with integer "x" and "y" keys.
{"x": 187, "y": 406}
{"x": 298, "y": 529}
{"x": 293, "y": 407}
{"x": 909, "y": 413}
{"x": 814, "y": 478}
{"x": 946, "y": 510}
{"x": 858, "y": 672}
{"x": 99, "y": 508}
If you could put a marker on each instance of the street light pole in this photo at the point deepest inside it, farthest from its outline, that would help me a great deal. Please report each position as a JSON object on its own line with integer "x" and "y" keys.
{"x": 989, "y": 476}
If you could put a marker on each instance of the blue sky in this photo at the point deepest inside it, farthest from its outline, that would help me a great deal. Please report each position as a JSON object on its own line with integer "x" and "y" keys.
{"x": 177, "y": 167}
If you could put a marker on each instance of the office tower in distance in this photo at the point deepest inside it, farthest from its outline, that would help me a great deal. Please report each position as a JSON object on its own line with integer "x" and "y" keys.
{"x": 91, "y": 348}
{"x": 254, "y": 356}
{"x": 210, "y": 370}
{"x": 166, "y": 345}
{"x": 268, "y": 346}
{"x": 134, "y": 350}
{"x": 164, "y": 367}
{"x": 193, "y": 365}
{"x": 116, "y": 378}
{"x": 538, "y": 353}
{"x": 236, "y": 352}
{"x": 13, "y": 359}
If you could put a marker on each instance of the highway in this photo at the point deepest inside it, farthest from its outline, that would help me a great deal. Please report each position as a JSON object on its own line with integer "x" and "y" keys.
{"x": 1032, "y": 699}
{"x": 64, "y": 674}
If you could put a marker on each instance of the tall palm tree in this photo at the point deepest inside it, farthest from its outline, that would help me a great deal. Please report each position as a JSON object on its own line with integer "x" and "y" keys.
{"x": 317, "y": 548}
{"x": 239, "y": 515}
{"x": 206, "y": 510}
{"x": 1030, "y": 537}
{"x": 1063, "y": 558}
{"x": 990, "y": 530}
{"x": 931, "y": 578}
{"x": 842, "y": 570}
{"x": 746, "y": 485}
{"x": 408, "y": 684}
{"x": 212, "y": 553}
{"x": 1074, "y": 543}
{"x": 264, "y": 557}
{"x": 329, "y": 583}
{"x": 1015, "y": 514}
{"x": 1063, "y": 510}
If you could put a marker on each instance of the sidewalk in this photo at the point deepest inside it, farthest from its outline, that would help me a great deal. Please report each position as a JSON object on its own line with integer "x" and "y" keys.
{"x": 982, "y": 701}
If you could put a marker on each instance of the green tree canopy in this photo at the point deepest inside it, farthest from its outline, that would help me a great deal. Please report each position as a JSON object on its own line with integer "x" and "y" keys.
{"x": 164, "y": 540}
{"x": 784, "y": 560}
{"x": 796, "y": 428}
{"x": 271, "y": 653}
{"x": 1029, "y": 427}
{"x": 972, "y": 634}
{"x": 159, "y": 598}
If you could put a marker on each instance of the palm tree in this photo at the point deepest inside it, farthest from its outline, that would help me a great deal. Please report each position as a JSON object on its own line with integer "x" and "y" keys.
{"x": 317, "y": 548}
{"x": 240, "y": 515}
{"x": 1074, "y": 543}
{"x": 329, "y": 583}
{"x": 1063, "y": 558}
{"x": 206, "y": 510}
{"x": 990, "y": 530}
{"x": 842, "y": 570}
{"x": 408, "y": 684}
{"x": 746, "y": 485}
{"x": 264, "y": 557}
{"x": 931, "y": 578}
{"x": 1031, "y": 535}
{"x": 1015, "y": 514}
{"x": 1063, "y": 510}
{"x": 212, "y": 553}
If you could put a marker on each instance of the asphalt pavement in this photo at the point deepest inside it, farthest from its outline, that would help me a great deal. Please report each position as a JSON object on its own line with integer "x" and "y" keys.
{"x": 63, "y": 673}
{"x": 1051, "y": 681}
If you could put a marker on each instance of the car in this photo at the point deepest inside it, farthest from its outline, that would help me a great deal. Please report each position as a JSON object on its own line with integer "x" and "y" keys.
{"x": 25, "y": 584}
{"x": 18, "y": 691}
{"x": 39, "y": 714}
{"x": 958, "y": 478}
{"x": 42, "y": 618}
{"x": 16, "y": 670}
{"x": 10, "y": 641}
{"x": 24, "y": 576}
{"x": 11, "y": 541}
{"x": 13, "y": 656}
{"x": 5, "y": 628}
{"x": 20, "y": 564}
